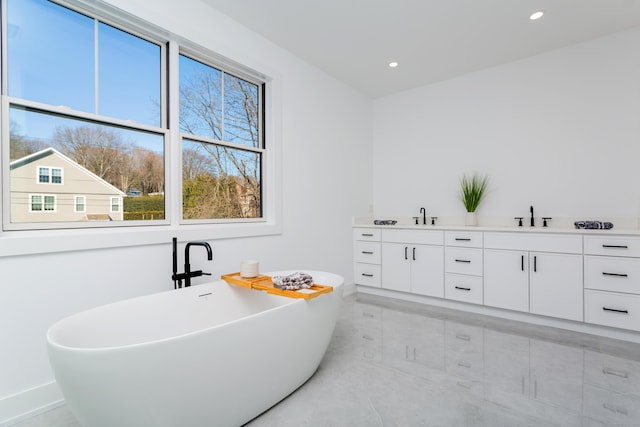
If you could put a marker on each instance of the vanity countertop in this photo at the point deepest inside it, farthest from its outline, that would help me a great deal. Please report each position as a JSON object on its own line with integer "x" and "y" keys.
{"x": 498, "y": 228}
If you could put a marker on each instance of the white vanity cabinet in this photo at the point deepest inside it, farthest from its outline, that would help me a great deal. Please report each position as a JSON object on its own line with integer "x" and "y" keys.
{"x": 413, "y": 261}
{"x": 367, "y": 256}
{"x": 536, "y": 273}
{"x": 612, "y": 281}
{"x": 463, "y": 266}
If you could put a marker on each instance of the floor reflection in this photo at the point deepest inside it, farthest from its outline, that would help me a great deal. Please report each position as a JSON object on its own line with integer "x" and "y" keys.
{"x": 484, "y": 376}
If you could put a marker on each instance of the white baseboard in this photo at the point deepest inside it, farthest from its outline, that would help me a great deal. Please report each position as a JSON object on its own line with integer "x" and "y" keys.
{"x": 349, "y": 289}
{"x": 28, "y": 403}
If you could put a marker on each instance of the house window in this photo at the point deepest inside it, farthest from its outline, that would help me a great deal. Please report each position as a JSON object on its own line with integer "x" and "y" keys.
{"x": 115, "y": 204}
{"x": 98, "y": 104}
{"x": 95, "y": 103}
{"x": 49, "y": 175}
{"x": 36, "y": 203}
{"x": 80, "y": 204}
{"x": 56, "y": 176}
{"x": 43, "y": 175}
{"x": 222, "y": 143}
{"x": 42, "y": 203}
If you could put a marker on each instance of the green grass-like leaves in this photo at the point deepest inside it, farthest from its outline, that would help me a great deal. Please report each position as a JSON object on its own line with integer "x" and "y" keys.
{"x": 472, "y": 190}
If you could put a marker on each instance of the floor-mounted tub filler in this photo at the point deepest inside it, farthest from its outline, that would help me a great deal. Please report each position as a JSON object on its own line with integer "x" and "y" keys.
{"x": 206, "y": 355}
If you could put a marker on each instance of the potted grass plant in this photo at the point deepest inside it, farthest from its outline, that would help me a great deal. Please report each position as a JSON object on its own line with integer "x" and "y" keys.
{"x": 472, "y": 190}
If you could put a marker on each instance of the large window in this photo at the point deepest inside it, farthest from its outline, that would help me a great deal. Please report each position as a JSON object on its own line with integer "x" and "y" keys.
{"x": 85, "y": 100}
{"x": 222, "y": 143}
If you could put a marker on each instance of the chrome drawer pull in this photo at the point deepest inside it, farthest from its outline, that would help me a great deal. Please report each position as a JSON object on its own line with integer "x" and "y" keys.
{"x": 371, "y": 253}
{"x": 367, "y": 275}
{"x": 615, "y": 310}
{"x": 463, "y": 289}
{"x": 616, "y": 246}
{"x": 614, "y": 274}
{"x": 608, "y": 371}
{"x": 367, "y": 235}
{"x": 461, "y": 239}
{"x": 463, "y": 337}
{"x": 464, "y": 260}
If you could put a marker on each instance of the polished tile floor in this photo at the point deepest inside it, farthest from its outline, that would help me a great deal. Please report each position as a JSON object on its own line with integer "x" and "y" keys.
{"x": 394, "y": 363}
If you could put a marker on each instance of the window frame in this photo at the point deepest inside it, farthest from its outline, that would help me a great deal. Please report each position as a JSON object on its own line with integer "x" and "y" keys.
{"x": 43, "y": 203}
{"x": 49, "y": 175}
{"x": 104, "y": 235}
{"x": 208, "y": 59}
{"x": 75, "y": 204}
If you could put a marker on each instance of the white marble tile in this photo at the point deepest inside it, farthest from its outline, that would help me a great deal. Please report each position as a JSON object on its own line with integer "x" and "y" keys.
{"x": 393, "y": 363}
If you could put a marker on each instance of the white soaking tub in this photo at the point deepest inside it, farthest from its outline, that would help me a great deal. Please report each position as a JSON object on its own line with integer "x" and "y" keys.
{"x": 206, "y": 355}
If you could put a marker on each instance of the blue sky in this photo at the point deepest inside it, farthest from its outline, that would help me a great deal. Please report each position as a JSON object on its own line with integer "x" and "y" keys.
{"x": 51, "y": 57}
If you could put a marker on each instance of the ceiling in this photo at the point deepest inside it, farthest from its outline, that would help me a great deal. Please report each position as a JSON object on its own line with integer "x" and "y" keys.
{"x": 433, "y": 40}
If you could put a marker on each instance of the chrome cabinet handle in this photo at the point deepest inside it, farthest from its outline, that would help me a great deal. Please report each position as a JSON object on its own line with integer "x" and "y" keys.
{"x": 367, "y": 235}
{"x": 614, "y": 274}
{"x": 463, "y": 239}
{"x": 414, "y": 254}
{"x": 367, "y": 252}
{"x": 467, "y": 261}
{"x": 463, "y": 289}
{"x": 616, "y": 246}
{"x": 522, "y": 262}
{"x": 367, "y": 275}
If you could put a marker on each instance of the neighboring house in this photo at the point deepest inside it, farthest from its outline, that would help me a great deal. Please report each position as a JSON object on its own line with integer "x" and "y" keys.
{"x": 47, "y": 186}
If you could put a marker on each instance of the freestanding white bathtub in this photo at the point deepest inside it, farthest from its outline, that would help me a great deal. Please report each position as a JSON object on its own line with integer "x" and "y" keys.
{"x": 207, "y": 355}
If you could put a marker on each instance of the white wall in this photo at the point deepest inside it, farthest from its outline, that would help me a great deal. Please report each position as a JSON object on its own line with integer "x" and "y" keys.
{"x": 560, "y": 131}
{"x": 327, "y": 163}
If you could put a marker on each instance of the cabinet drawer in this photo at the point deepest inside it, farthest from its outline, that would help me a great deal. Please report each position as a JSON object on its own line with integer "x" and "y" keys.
{"x": 611, "y": 408}
{"x": 463, "y": 288}
{"x": 614, "y": 274}
{"x": 612, "y": 246}
{"x": 367, "y": 274}
{"x": 368, "y": 252}
{"x": 611, "y": 373}
{"x": 561, "y": 243}
{"x": 367, "y": 234}
{"x": 468, "y": 239}
{"x": 418, "y": 237}
{"x": 612, "y": 309}
{"x": 463, "y": 261}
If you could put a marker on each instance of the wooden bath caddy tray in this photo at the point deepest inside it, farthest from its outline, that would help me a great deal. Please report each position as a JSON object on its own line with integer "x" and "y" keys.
{"x": 264, "y": 283}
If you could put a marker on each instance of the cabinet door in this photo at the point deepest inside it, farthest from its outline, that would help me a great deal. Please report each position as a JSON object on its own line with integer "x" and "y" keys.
{"x": 396, "y": 267}
{"x": 427, "y": 270}
{"x": 556, "y": 285}
{"x": 506, "y": 279}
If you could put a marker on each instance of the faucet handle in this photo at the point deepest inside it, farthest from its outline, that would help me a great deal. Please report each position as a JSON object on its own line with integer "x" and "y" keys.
{"x": 519, "y": 218}
{"x": 433, "y": 220}
{"x": 544, "y": 220}
{"x": 416, "y": 218}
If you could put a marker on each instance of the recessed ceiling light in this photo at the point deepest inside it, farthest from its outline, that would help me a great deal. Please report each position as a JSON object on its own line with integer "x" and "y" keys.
{"x": 536, "y": 15}
{"x": 393, "y": 64}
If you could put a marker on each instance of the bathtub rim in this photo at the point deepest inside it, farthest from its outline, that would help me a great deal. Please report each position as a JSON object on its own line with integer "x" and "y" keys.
{"x": 105, "y": 349}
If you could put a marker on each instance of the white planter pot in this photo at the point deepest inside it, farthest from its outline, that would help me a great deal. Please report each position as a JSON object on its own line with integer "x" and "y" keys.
{"x": 471, "y": 219}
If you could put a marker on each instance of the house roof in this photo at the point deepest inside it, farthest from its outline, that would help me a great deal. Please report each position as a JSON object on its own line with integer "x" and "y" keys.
{"x": 23, "y": 161}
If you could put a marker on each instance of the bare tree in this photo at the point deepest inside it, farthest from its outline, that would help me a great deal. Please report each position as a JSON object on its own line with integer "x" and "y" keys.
{"x": 99, "y": 149}
{"x": 202, "y": 113}
{"x": 20, "y": 145}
